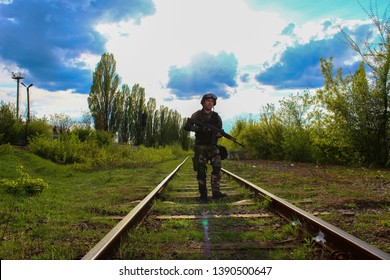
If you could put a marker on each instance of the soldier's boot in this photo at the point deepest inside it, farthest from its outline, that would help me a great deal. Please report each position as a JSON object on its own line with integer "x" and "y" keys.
{"x": 202, "y": 191}
{"x": 215, "y": 185}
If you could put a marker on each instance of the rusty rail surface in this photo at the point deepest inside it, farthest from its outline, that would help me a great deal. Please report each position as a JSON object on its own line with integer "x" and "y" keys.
{"x": 332, "y": 237}
{"x": 105, "y": 245}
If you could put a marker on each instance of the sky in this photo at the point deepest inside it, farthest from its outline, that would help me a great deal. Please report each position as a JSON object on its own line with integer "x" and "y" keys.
{"x": 248, "y": 52}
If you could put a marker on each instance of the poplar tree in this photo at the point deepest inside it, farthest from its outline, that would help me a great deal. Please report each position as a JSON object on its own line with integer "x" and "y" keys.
{"x": 150, "y": 109}
{"x": 105, "y": 101}
{"x": 137, "y": 115}
{"x": 125, "y": 127}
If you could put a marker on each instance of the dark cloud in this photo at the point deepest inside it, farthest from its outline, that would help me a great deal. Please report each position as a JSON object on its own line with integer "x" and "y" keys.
{"x": 205, "y": 73}
{"x": 299, "y": 66}
{"x": 45, "y": 37}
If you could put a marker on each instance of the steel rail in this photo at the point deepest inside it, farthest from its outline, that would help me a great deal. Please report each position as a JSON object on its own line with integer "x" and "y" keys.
{"x": 337, "y": 239}
{"x": 100, "y": 250}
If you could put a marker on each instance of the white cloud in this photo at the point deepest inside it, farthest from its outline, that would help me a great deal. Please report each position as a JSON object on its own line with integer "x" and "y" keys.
{"x": 181, "y": 29}
{"x": 71, "y": 104}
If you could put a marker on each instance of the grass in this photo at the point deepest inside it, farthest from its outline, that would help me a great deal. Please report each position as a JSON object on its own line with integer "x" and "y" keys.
{"x": 64, "y": 220}
{"x": 76, "y": 210}
{"x": 357, "y": 200}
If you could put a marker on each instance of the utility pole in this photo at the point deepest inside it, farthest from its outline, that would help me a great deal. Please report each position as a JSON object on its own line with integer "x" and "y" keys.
{"x": 17, "y": 76}
{"x": 28, "y": 108}
{"x": 28, "y": 101}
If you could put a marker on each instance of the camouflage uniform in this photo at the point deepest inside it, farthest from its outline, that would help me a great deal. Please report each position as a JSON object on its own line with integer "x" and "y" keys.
{"x": 205, "y": 152}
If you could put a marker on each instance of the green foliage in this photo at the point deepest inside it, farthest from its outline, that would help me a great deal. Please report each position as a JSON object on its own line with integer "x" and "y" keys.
{"x": 105, "y": 101}
{"x": 259, "y": 141}
{"x": 137, "y": 115}
{"x": 83, "y": 133}
{"x": 68, "y": 149}
{"x": 104, "y": 138}
{"x": 5, "y": 149}
{"x": 99, "y": 151}
{"x": 61, "y": 122}
{"x": 296, "y": 145}
{"x": 341, "y": 124}
{"x": 24, "y": 184}
{"x": 11, "y": 129}
{"x": 126, "y": 113}
{"x": 237, "y": 131}
{"x": 293, "y": 115}
{"x": 39, "y": 127}
{"x": 14, "y": 131}
{"x": 345, "y": 122}
{"x": 348, "y": 118}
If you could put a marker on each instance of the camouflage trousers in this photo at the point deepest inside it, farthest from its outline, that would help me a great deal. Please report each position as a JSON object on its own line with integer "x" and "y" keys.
{"x": 205, "y": 154}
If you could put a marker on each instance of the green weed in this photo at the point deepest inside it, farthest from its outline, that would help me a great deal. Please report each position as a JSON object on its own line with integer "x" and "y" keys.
{"x": 25, "y": 184}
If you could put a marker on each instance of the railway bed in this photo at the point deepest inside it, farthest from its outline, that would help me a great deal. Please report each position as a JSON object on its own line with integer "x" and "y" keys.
{"x": 249, "y": 223}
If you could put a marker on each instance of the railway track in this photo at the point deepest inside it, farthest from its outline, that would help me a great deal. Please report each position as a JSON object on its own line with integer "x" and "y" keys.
{"x": 250, "y": 223}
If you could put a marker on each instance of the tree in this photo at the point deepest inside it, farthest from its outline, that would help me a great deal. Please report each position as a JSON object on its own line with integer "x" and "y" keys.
{"x": 62, "y": 121}
{"x": 348, "y": 117}
{"x": 124, "y": 133}
{"x": 293, "y": 114}
{"x": 10, "y": 127}
{"x": 375, "y": 52}
{"x": 150, "y": 109}
{"x": 137, "y": 115}
{"x": 86, "y": 120}
{"x": 105, "y": 101}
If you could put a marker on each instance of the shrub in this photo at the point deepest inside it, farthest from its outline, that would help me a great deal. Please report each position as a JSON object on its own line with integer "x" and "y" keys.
{"x": 104, "y": 138}
{"x": 39, "y": 127}
{"x": 5, "y": 149}
{"x": 24, "y": 184}
{"x": 83, "y": 133}
{"x": 66, "y": 150}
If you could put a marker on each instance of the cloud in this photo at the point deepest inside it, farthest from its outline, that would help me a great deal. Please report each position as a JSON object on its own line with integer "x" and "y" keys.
{"x": 299, "y": 65}
{"x": 50, "y": 40}
{"x": 289, "y": 29}
{"x": 204, "y": 73}
{"x": 245, "y": 78}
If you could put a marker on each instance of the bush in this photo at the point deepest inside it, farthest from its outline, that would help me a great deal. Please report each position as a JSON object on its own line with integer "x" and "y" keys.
{"x": 99, "y": 153}
{"x": 24, "y": 184}
{"x": 297, "y": 145}
{"x": 11, "y": 129}
{"x": 66, "y": 150}
{"x": 83, "y": 133}
{"x": 5, "y": 149}
{"x": 104, "y": 138}
{"x": 39, "y": 127}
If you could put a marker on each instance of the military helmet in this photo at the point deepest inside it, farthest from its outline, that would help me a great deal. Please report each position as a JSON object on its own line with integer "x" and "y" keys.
{"x": 207, "y": 96}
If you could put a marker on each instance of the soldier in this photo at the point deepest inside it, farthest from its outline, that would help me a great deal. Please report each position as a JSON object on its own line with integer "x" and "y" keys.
{"x": 204, "y": 148}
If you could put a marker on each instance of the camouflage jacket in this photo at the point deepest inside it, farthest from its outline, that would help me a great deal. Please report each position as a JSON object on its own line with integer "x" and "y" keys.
{"x": 203, "y": 137}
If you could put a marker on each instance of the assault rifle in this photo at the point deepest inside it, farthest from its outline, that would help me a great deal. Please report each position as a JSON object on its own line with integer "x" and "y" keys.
{"x": 215, "y": 130}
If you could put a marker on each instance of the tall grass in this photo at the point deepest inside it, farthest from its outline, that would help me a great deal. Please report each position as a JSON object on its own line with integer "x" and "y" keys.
{"x": 91, "y": 154}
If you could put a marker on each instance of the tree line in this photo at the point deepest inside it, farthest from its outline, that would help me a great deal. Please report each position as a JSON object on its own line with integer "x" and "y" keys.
{"x": 125, "y": 112}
